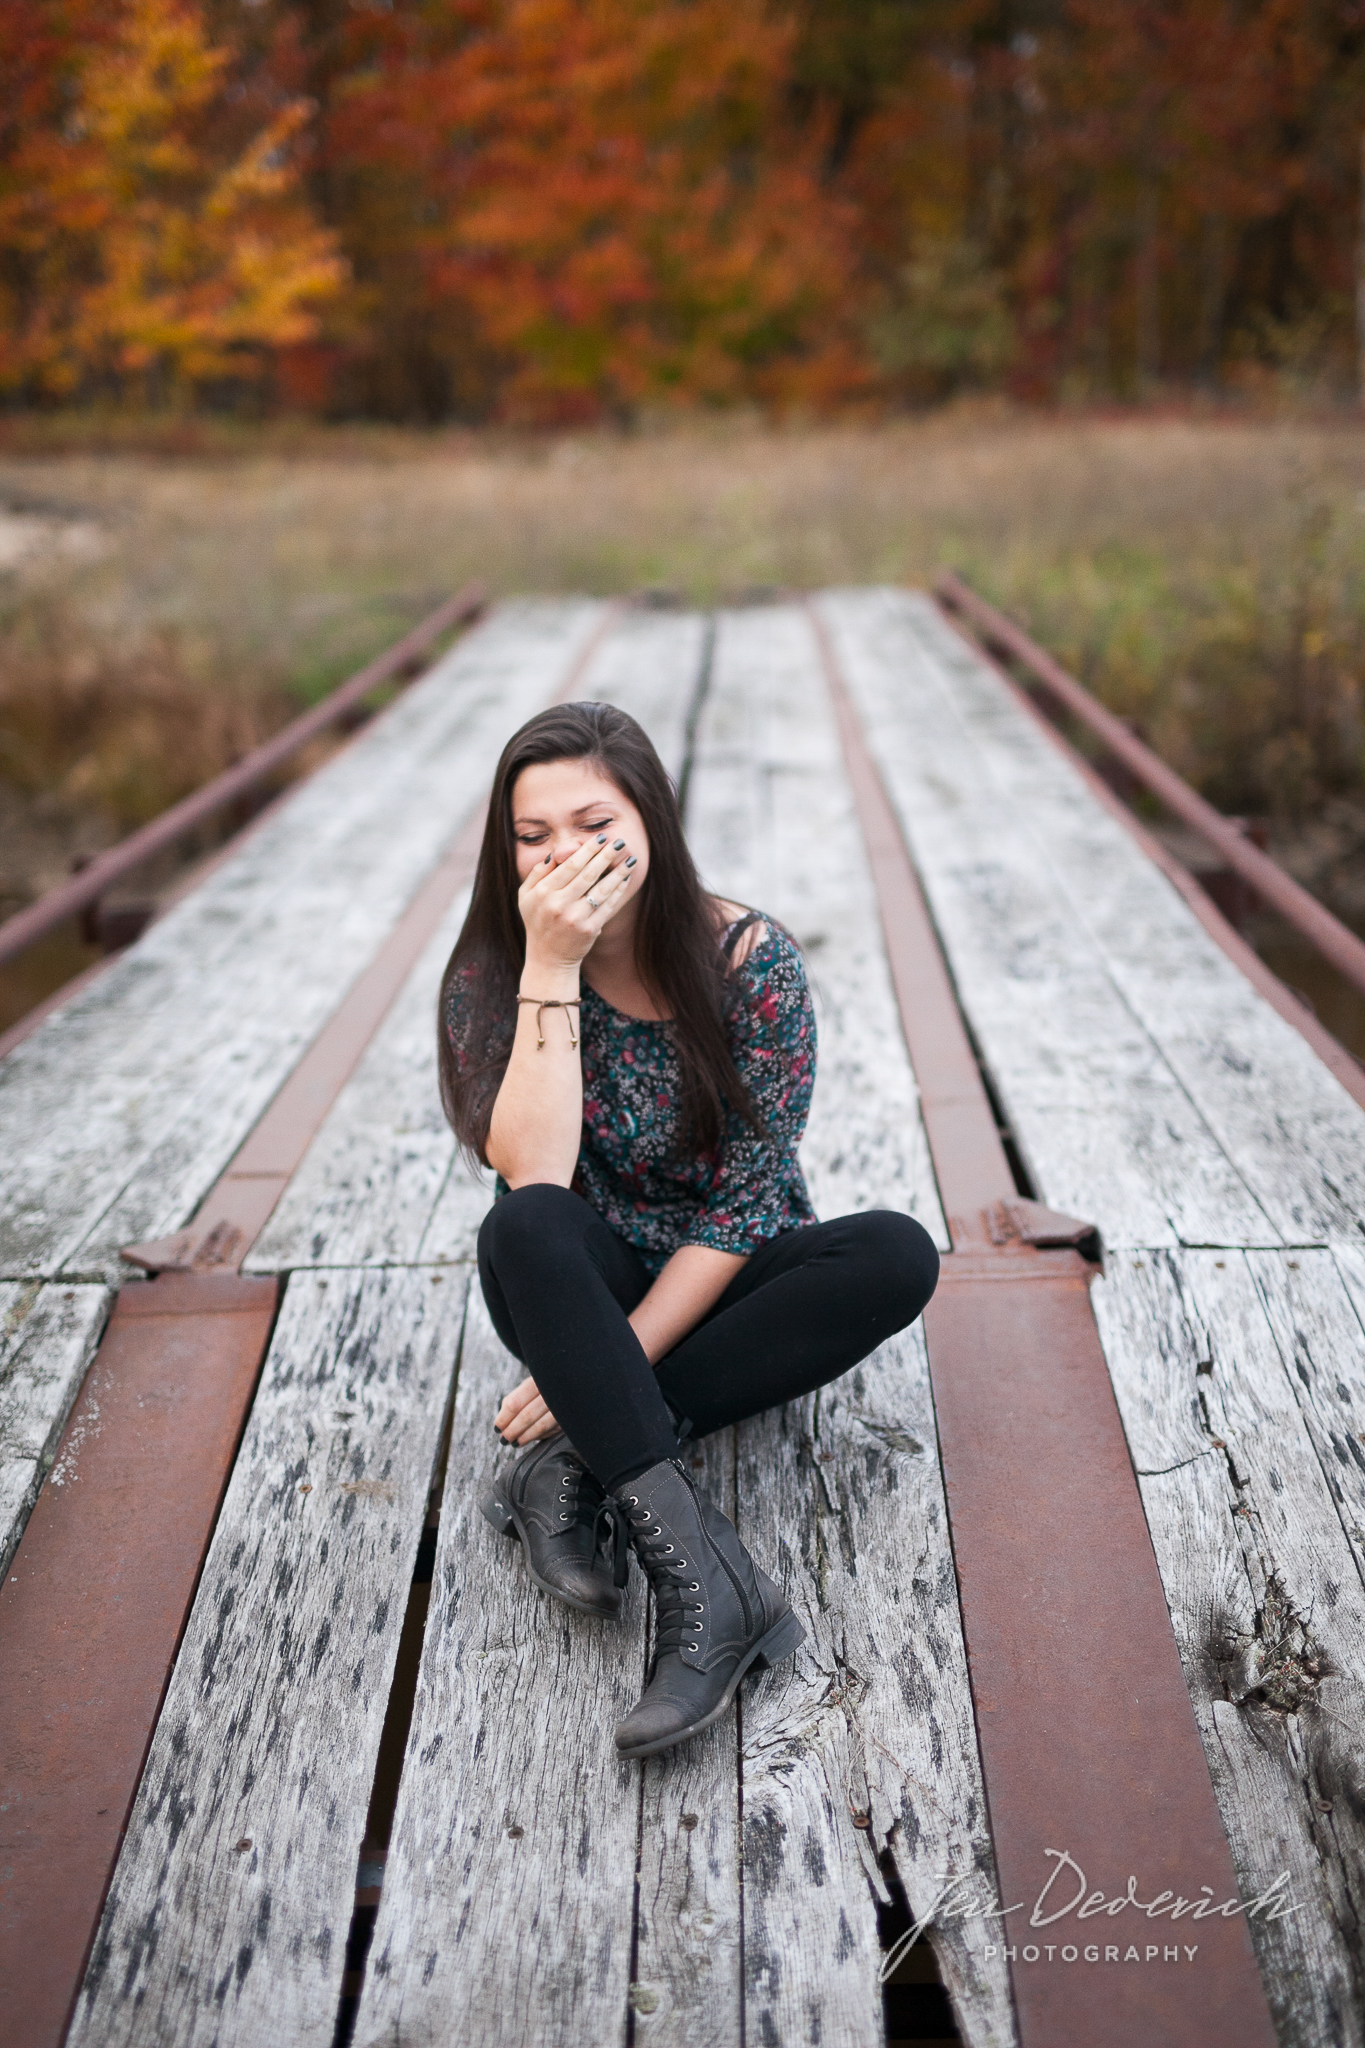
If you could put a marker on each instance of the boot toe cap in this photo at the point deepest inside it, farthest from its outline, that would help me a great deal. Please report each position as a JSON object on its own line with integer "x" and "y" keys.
{"x": 653, "y": 1722}
{"x": 669, "y": 1711}
{"x": 583, "y": 1587}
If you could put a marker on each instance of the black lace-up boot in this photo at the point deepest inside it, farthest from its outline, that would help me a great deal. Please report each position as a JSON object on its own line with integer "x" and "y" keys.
{"x": 716, "y": 1614}
{"x": 552, "y": 1502}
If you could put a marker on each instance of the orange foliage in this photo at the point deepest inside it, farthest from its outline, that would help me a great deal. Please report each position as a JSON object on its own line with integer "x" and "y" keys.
{"x": 141, "y": 256}
{"x": 564, "y": 209}
{"x": 615, "y": 192}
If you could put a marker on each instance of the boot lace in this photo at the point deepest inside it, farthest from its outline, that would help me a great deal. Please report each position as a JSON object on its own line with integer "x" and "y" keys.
{"x": 579, "y": 1494}
{"x": 674, "y": 1605}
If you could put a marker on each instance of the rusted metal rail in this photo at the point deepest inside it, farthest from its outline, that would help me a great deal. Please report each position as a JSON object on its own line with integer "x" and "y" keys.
{"x": 1332, "y": 938}
{"x": 19, "y": 932}
{"x": 1087, "y": 1734}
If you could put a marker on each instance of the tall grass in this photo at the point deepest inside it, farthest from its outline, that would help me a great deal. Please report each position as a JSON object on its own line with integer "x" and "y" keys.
{"x": 1206, "y": 577}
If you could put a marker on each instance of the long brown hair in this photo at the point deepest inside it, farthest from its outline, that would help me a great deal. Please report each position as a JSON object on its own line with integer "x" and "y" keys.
{"x": 676, "y": 933}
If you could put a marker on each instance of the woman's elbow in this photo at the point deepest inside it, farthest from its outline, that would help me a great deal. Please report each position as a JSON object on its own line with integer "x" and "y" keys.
{"x": 536, "y": 1174}
{"x": 521, "y": 1165}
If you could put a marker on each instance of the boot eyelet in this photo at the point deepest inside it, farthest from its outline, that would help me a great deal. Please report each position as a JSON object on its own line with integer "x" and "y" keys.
{"x": 667, "y": 1548}
{"x": 691, "y": 1646}
{"x": 694, "y": 1587}
{"x": 633, "y": 1499}
{"x": 566, "y": 1518}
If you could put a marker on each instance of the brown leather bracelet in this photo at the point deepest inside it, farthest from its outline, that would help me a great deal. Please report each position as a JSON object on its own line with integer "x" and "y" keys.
{"x": 552, "y": 1003}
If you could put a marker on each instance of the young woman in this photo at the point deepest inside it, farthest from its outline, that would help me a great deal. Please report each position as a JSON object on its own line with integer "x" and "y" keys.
{"x": 635, "y": 1060}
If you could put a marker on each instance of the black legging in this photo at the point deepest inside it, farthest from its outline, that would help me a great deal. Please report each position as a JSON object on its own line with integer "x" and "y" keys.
{"x": 804, "y": 1308}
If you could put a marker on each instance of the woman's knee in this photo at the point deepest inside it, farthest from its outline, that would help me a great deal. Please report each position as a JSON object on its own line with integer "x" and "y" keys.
{"x": 898, "y": 1262}
{"x": 529, "y": 1220}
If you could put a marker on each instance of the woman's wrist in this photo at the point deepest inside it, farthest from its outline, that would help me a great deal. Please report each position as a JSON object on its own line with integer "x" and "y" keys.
{"x": 549, "y": 977}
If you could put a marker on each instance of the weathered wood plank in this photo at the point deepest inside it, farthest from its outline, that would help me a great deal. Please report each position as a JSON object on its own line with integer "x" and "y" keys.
{"x": 841, "y": 1496}
{"x": 385, "y": 1160}
{"x": 1107, "y": 1127}
{"x": 772, "y": 822}
{"x": 1350, "y": 1264}
{"x": 228, "y": 1916}
{"x": 1321, "y": 1343}
{"x": 509, "y": 1886}
{"x": 650, "y": 665}
{"x": 1266, "y": 1601}
{"x": 1295, "y": 1136}
{"x": 48, "y": 1336}
{"x": 875, "y": 1718}
{"x": 687, "y": 1992}
{"x": 123, "y": 1107}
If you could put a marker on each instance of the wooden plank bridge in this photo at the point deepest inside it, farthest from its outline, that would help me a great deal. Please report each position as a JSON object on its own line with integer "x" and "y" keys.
{"x": 1082, "y": 1573}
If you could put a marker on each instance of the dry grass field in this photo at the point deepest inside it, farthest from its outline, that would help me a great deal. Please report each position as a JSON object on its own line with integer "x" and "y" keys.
{"x": 159, "y": 611}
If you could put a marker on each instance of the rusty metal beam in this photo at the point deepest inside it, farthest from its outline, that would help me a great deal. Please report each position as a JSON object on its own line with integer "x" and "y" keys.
{"x": 1331, "y": 937}
{"x": 92, "y": 1611}
{"x": 20, "y": 931}
{"x": 1087, "y": 1735}
{"x": 969, "y": 1157}
{"x": 100, "y": 1587}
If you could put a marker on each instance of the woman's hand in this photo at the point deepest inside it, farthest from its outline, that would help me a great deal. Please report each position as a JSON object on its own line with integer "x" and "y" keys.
{"x": 564, "y": 908}
{"x": 523, "y": 1417}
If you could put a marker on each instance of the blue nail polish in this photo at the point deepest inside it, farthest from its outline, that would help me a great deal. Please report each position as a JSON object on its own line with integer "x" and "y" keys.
{"x": 601, "y": 838}
{"x": 631, "y": 862}
{"x": 619, "y": 844}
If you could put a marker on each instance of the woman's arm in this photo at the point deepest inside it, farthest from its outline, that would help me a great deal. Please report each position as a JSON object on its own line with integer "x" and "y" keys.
{"x": 688, "y": 1288}
{"x": 538, "y": 1114}
{"x": 537, "y": 1121}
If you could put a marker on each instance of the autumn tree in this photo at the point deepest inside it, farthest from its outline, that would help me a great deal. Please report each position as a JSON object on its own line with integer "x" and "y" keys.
{"x": 1119, "y": 193}
{"x": 563, "y": 209}
{"x": 608, "y": 199}
{"x": 145, "y": 248}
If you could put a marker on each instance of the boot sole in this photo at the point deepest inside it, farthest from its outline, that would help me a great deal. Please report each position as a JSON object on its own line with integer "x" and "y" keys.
{"x": 783, "y": 1640}
{"x": 505, "y": 1519}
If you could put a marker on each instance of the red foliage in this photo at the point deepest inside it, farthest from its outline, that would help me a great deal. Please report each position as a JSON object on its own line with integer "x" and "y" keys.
{"x": 565, "y": 209}
{"x": 613, "y": 192}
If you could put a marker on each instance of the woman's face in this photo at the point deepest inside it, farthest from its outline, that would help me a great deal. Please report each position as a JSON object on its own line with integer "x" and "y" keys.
{"x": 558, "y": 805}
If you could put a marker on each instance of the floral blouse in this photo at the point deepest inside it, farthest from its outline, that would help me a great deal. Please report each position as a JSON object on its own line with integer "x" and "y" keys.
{"x": 751, "y": 1188}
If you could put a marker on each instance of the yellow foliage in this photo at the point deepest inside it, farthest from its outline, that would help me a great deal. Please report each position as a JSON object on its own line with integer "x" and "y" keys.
{"x": 151, "y": 261}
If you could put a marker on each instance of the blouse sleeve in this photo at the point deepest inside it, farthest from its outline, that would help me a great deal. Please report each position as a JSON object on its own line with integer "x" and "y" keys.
{"x": 757, "y": 1190}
